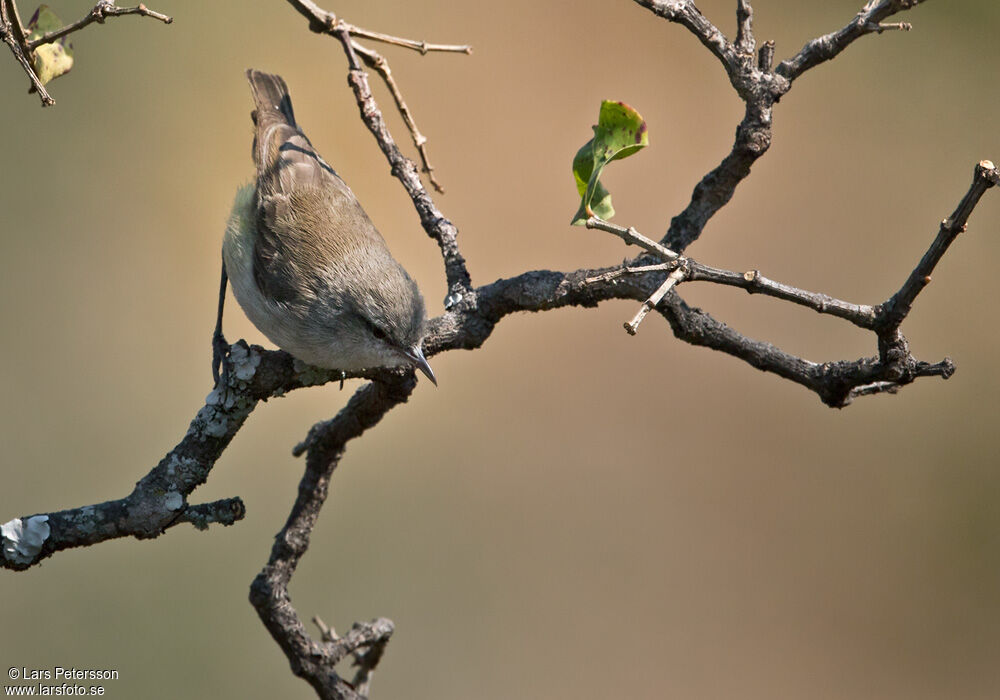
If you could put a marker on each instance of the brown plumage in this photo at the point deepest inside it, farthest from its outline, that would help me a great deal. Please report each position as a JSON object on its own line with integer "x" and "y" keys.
{"x": 306, "y": 263}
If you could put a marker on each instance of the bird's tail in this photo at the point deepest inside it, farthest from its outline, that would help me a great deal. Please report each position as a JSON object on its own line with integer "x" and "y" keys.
{"x": 270, "y": 95}
{"x": 273, "y": 117}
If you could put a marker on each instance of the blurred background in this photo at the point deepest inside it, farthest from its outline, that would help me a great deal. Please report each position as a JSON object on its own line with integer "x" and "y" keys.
{"x": 573, "y": 513}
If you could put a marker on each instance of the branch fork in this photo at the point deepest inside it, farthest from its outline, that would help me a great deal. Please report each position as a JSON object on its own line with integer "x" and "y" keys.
{"x": 323, "y": 22}
{"x": 679, "y": 274}
{"x": 12, "y": 32}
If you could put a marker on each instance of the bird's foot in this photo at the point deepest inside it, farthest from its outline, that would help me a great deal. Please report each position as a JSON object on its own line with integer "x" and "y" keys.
{"x": 220, "y": 360}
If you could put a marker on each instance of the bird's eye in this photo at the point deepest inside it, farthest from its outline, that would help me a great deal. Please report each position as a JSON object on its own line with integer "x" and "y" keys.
{"x": 375, "y": 329}
{"x": 379, "y": 333}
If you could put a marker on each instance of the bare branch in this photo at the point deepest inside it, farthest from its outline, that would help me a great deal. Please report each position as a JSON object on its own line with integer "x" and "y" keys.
{"x": 100, "y": 11}
{"x": 752, "y": 281}
{"x": 684, "y": 13}
{"x": 765, "y": 57}
{"x": 311, "y": 660}
{"x": 375, "y": 60}
{"x": 543, "y": 290}
{"x": 366, "y": 659}
{"x": 422, "y": 46}
{"x": 674, "y": 278}
{"x": 822, "y": 49}
{"x": 632, "y": 237}
{"x": 861, "y": 315}
{"x": 224, "y": 512}
{"x": 12, "y": 34}
{"x": 892, "y": 312}
{"x": 753, "y": 138}
{"x": 159, "y": 500}
{"x": 745, "y": 42}
{"x": 832, "y": 381}
{"x": 324, "y": 22}
{"x": 891, "y": 26}
{"x": 435, "y": 224}
{"x": 758, "y": 88}
{"x": 943, "y": 369}
{"x": 627, "y": 269}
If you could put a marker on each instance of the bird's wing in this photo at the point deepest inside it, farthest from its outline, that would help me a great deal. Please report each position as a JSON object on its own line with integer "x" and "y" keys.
{"x": 305, "y": 213}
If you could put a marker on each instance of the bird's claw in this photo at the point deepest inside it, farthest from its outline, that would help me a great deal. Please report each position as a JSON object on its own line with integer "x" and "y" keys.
{"x": 220, "y": 359}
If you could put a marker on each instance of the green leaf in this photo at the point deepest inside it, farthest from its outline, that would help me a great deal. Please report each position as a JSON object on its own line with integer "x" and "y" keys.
{"x": 53, "y": 59}
{"x": 620, "y": 132}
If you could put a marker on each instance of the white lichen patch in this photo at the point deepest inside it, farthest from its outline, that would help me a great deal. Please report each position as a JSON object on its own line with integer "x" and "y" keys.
{"x": 179, "y": 465}
{"x": 212, "y": 421}
{"x": 243, "y": 362}
{"x": 214, "y": 397}
{"x": 23, "y": 538}
{"x": 173, "y": 500}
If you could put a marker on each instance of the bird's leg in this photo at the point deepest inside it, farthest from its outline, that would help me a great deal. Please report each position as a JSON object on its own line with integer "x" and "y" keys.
{"x": 220, "y": 348}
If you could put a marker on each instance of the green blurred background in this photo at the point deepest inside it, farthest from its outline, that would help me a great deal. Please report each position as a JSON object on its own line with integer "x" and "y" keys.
{"x": 573, "y": 513}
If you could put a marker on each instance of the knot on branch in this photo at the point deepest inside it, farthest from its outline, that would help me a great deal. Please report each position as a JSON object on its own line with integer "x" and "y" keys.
{"x": 753, "y": 140}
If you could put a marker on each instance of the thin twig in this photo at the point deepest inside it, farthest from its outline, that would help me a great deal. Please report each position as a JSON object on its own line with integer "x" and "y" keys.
{"x": 765, "y": 57}
{"x": 325, "y": 22}
{"x": 828, "y": 46}
{"x": 880, "y": 27}
{"x": 435, "y": 224}
{"x": 422, "y": 46}
{"x": 944, "y": 369}
{"x": 752, "y": 281}
{"x": 674, "y": 278}
{"x": 892, "y": 312}
{"x": 861, "y": 315}
{"x": 366, "y": 660}
{"x": 327, "y": 633}
{"x": 328, "y": 23}
{"x": 375, "y": 60}
{"x": 98, "y": 14}
{"x": 745, "y": 42}
{"x": 632, "y": 237}
{"x": 874, "y": 388}
{"x": 627, "y": 270}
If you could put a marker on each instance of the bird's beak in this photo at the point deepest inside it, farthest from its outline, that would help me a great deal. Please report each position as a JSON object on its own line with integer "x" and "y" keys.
{"x": 416, "y": 356}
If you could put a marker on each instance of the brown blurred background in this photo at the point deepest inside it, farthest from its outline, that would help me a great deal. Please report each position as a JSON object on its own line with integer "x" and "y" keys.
{"x": 574, "y": 513}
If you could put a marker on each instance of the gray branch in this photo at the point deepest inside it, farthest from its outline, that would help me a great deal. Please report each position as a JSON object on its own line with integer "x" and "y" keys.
{"x": 822, "y": 49}
{"x": 12, "y": 32}
{"x": 98, "y": 13}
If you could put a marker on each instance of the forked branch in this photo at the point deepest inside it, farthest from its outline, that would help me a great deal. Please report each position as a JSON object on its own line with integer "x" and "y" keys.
{"x": 100, "y": 12}
{"x": 12, "y": 32}
{"x": 324, "y": 22}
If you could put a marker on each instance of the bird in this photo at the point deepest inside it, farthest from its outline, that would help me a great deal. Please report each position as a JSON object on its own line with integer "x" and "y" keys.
{"x": 306, "y": 263}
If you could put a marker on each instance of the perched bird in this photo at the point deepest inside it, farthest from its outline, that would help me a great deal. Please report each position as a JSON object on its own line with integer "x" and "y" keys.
{"x": 306, "y": 263}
